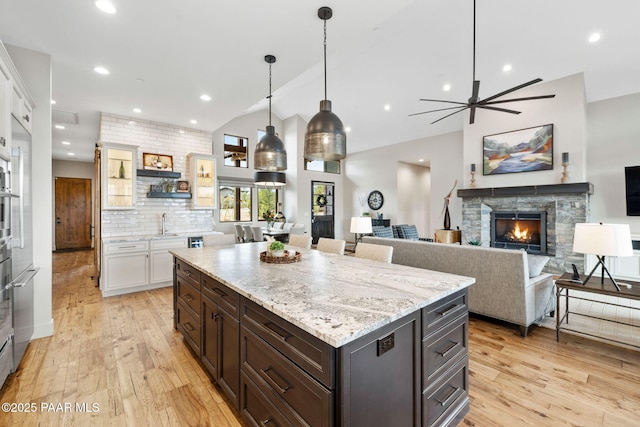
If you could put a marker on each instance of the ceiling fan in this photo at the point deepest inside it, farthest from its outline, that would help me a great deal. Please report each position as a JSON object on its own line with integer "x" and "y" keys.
{"x": 474, "y": 102}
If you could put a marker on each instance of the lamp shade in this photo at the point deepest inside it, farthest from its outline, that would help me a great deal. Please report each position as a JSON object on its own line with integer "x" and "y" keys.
{"x": 269, "y": 179}
{"x": 325, "y": 138}
{"x": 602, "y": 239}
{"x": 360, "y": 224}
{"x": 270, "y": 154}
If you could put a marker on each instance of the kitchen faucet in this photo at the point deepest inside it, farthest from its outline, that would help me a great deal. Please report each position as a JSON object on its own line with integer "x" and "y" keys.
{"x": 164, "y": 223}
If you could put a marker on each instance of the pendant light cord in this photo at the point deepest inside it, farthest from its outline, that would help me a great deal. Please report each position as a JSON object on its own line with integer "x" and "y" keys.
{"x": 325, "y": 59}
{"x": 269, "y": 95}
{"x": 474, "y": 40}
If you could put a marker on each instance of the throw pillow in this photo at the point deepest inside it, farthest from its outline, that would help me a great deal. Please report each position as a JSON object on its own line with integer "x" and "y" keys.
{"x": 409, "y": 232}
{"x": 397, "y": 231}
{"x": 536, "y": 264}
{"x": 381, "y": 231}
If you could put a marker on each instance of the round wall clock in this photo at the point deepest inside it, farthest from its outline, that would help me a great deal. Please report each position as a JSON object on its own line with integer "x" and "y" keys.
{"x": 375, "y": 200}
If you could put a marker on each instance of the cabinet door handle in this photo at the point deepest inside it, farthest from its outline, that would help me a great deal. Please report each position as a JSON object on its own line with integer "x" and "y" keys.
{"x": 3, "y": 141}
{"x": 273, "y": 382}
{"x": 188, "y": 297}
{"x": 281, "y": 333}
{"x": 26, "y": 118}
{"x": 188, "y": 272}
{"x": 219, "y": 292}
{"x": 448, "y": 310}
{"x": 450, "y": 396}
{"x": 268, "y": 421}
{"x": 215, "y": 316}
{"x": 452, "y": 346}
{"x": 189, "y": 327}
{"x": 126, "y": 247}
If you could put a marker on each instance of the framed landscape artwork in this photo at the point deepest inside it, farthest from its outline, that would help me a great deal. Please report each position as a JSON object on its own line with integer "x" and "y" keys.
{"x": 160, "y": 162}
{"x": 523, "y": 150}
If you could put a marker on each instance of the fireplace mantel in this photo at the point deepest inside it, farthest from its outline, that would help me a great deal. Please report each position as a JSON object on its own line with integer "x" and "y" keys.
{"x": 528, "y": 190}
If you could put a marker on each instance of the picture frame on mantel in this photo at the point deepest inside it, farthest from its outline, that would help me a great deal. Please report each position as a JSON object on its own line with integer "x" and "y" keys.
{"x": 158, "y": 162}
{"x": 522, "y": 150}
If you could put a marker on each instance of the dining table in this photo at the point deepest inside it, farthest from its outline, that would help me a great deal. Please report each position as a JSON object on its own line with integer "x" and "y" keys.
{"x": 276, "y": 233}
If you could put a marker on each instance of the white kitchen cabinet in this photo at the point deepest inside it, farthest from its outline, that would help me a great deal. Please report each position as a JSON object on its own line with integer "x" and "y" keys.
{"x": 139, "y": 265}
{"x": 161, "y": 267}
{"x": 118, "y": 163}
{"x": 20, "y": 107}
{"x": 125, "y": 267}
{"x": 202, "y": 173}
{"x": 5, "y": 101}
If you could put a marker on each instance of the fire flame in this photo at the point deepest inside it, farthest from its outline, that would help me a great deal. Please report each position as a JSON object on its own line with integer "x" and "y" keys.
{"x": 520, "y": 234}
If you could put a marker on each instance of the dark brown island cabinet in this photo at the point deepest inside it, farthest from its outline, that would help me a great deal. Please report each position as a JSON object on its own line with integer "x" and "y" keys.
{"x": 411, "y": 372}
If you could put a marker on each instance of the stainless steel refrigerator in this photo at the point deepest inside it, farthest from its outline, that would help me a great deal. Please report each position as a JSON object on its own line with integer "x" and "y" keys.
{"x": 21, "y": 241}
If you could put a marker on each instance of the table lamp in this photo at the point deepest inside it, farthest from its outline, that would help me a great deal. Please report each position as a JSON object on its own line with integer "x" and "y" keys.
{"x": 602, "y": 240}
{"x": 360, "y": 225}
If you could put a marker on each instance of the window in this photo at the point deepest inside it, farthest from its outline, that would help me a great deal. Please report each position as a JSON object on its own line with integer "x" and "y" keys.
{"x": 236, "y": 151}
{"x": 330, "y": 166}
{"x": 235, "y": 203}
{"x": 268, "y": 201}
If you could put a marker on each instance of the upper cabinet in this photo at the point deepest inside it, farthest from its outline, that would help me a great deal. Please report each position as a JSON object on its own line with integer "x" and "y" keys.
{"x": 202, "y": 172}
{"x": 21, "y": 108}
{"x": 5, "y": 100}
{"x": 118, "y": 176}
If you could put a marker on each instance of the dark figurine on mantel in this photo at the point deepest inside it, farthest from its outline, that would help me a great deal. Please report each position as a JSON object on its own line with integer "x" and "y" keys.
{"x": 447, "y": 199}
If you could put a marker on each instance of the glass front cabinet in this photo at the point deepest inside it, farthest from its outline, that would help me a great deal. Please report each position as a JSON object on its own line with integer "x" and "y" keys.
{"x": 203, "y": 180}
{"x": 119, "y": 176}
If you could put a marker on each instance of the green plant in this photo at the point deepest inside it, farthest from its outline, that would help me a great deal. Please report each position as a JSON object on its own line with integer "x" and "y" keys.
{"x": 276, "y": 246}
{"x": 474, "y": 242}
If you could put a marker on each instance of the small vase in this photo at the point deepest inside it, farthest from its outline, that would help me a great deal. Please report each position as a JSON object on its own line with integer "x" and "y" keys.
{"x": 277, "y": 253}
{"x": 447, "y": 219}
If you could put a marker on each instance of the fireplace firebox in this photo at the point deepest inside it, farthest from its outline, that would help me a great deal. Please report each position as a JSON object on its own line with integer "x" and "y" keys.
{"x": 520, "y": 230}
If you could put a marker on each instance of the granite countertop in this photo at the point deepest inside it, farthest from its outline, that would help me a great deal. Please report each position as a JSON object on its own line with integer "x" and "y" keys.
{"x": 333, "y": 297}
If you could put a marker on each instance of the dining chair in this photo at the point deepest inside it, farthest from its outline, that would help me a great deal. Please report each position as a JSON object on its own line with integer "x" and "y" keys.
{"x": 287, "y": 226}
{"x": 239, "y": 233}
{"x": 374, "y": 252}
{"x": 300, "y": 241}
{"x": 219, "y": 239}
{"x": 334, "y": 246}
{"x": 257, "y": 234}
{"x": 248, "y": 234}
{"x": 277, "y": 225}
{"x": 297, "y": 229}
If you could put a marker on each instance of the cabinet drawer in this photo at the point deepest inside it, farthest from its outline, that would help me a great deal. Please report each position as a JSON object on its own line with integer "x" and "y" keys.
{"x": 188, "y": 295}
{"x": 257, "y": 409}
{"x": 169, "y": 243}
{"x": 300, "y": 397}
{"x": 310, "y": 353}
{"x": 444, "y": 348}
{"x": 447, "y": 397}
{"x": 444, "y": 311}
{"x": 188, "y": 272}
{"x": 189, "y": 326}
{"x": 226, "y": 298}
{"x": 123, "y": 247}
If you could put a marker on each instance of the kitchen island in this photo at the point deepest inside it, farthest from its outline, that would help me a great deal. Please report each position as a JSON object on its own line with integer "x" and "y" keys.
{"x": 330, "y": 340}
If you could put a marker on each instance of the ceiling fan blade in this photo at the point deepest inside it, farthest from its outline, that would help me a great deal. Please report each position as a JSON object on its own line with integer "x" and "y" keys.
{"x": 440, "y": 109}
{"x": 472, "y": 115}
{"x": 449, "y": 115}
{"x": 526, "y": 98}
{"x": 504, "y": 110}
{"x": 475, "y": 92}
{"x": 441, "y": 100}
{"x": 513, "y": 89}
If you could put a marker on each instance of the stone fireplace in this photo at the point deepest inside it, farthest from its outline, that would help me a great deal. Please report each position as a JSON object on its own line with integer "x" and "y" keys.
{"x": 561, "y": 206}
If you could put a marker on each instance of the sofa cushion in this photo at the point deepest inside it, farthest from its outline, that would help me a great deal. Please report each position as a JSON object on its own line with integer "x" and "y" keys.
{"x": 381, "y": 231}
{"x": 409, "y": 232}
{"x": 536, "y": 264}
{"x": 397, "y": 232}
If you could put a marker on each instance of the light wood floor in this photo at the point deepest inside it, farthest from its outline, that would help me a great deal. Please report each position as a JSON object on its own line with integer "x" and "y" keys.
{"x": 123, "y": 354}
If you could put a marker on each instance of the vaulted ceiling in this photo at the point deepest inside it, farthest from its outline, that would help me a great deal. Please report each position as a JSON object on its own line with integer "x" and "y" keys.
{"x": 163, "y": 55}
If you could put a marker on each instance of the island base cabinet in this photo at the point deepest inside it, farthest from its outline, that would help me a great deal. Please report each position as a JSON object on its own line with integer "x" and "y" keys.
{"x": 381, "y": 376}
{"x": 257, "y": 410}
{"x": 220, "y": 344}
{"x": 446, "y": 402}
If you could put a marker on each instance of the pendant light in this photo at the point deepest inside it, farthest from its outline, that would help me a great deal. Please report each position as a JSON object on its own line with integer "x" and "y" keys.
{"x": 270, "y": 154}
{"x": 269, "y": 179}
{"x": 325, "y": 138}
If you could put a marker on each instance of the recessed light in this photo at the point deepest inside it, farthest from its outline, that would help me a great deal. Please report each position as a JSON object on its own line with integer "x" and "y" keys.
{"x": 71, "y": 154}
{"x": 347, "y": 129}
{"x": 507, "y": 68}
{"x": 66, "y": 143}
{"x": 193, "y": 121}
{"x": 53, "y": 101}
{"x": 101, "y": 70}
{"x": 446, "y": 87}
{"x": 594, "y": 37}
{"x": 131, "y": 122}
{"x": 421, "y": 160}
{"x": 387, "y": 107}
{"x": 106, "y": 6}
{"x": 59, "y": 127}
{"x": 137, "y": 110}
{"x": 181, "y": 131}
{"x": 205, "y": 97}
{"x": 139, "y": 79}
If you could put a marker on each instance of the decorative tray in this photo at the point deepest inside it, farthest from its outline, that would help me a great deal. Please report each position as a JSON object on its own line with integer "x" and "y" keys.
{"x": 280, "y": 259}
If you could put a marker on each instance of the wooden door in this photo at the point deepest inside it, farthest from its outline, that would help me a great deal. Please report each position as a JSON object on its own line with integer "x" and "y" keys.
{"x": 97, "y": 213}
{"x": 322, "y": 210}
{"x": 73, "y": 213}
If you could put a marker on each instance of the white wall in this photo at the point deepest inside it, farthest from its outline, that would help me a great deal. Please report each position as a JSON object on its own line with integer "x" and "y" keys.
{"x": 377, "y": 169}
{"x": 35, "y": 69}
{"x": 69, "y": 169}
{"x": 567, "y": 113}
{"x": 414, "y": 196}
{"x": 613, "y": 143}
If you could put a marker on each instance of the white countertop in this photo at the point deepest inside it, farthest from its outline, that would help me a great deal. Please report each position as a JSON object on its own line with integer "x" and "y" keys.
{"x": 181, "y": 235}
{"x": 333, "y": 297}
